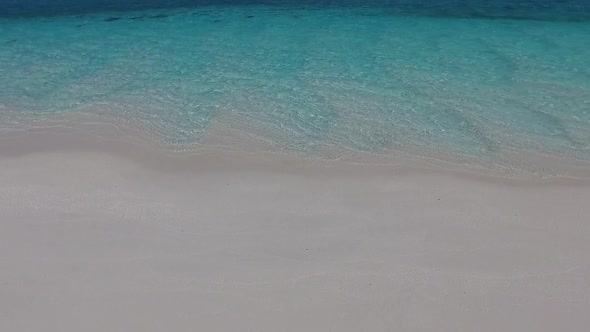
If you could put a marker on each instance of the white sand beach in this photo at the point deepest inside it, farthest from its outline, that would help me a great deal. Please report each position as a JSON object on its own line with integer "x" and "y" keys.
{"x": 100, "y": 235}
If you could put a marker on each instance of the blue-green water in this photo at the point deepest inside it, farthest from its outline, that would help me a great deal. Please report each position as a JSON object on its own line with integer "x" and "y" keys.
{"x": 310, "y": 78}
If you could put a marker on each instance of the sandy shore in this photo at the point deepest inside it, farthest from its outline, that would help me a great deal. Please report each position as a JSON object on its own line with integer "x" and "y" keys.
{"x": 108, "y": 235}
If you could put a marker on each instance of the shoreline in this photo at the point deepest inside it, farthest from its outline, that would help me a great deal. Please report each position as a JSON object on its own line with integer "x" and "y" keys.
{"x": 231, "y": 148}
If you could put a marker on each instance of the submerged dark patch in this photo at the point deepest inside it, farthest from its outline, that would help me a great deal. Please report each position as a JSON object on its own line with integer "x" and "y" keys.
{"x": 111, "y": 19}
{"x": 159, "y": 16}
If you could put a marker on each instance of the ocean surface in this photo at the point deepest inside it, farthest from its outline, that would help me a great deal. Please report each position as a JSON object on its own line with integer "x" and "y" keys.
{"x": 474, "y": 79}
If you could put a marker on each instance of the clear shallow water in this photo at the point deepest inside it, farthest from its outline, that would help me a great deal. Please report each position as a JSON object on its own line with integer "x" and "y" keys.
{"x": 313, "y": 78}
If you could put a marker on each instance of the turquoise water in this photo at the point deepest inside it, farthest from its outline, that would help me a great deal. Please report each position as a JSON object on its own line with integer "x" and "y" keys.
{"x": 309, "y": 79}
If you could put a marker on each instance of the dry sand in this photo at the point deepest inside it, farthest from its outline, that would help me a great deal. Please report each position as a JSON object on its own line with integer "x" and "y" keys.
{"x": 112, "y": 236}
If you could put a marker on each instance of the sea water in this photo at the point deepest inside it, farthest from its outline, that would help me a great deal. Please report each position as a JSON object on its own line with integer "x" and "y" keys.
{"x": 460, "y": 78}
